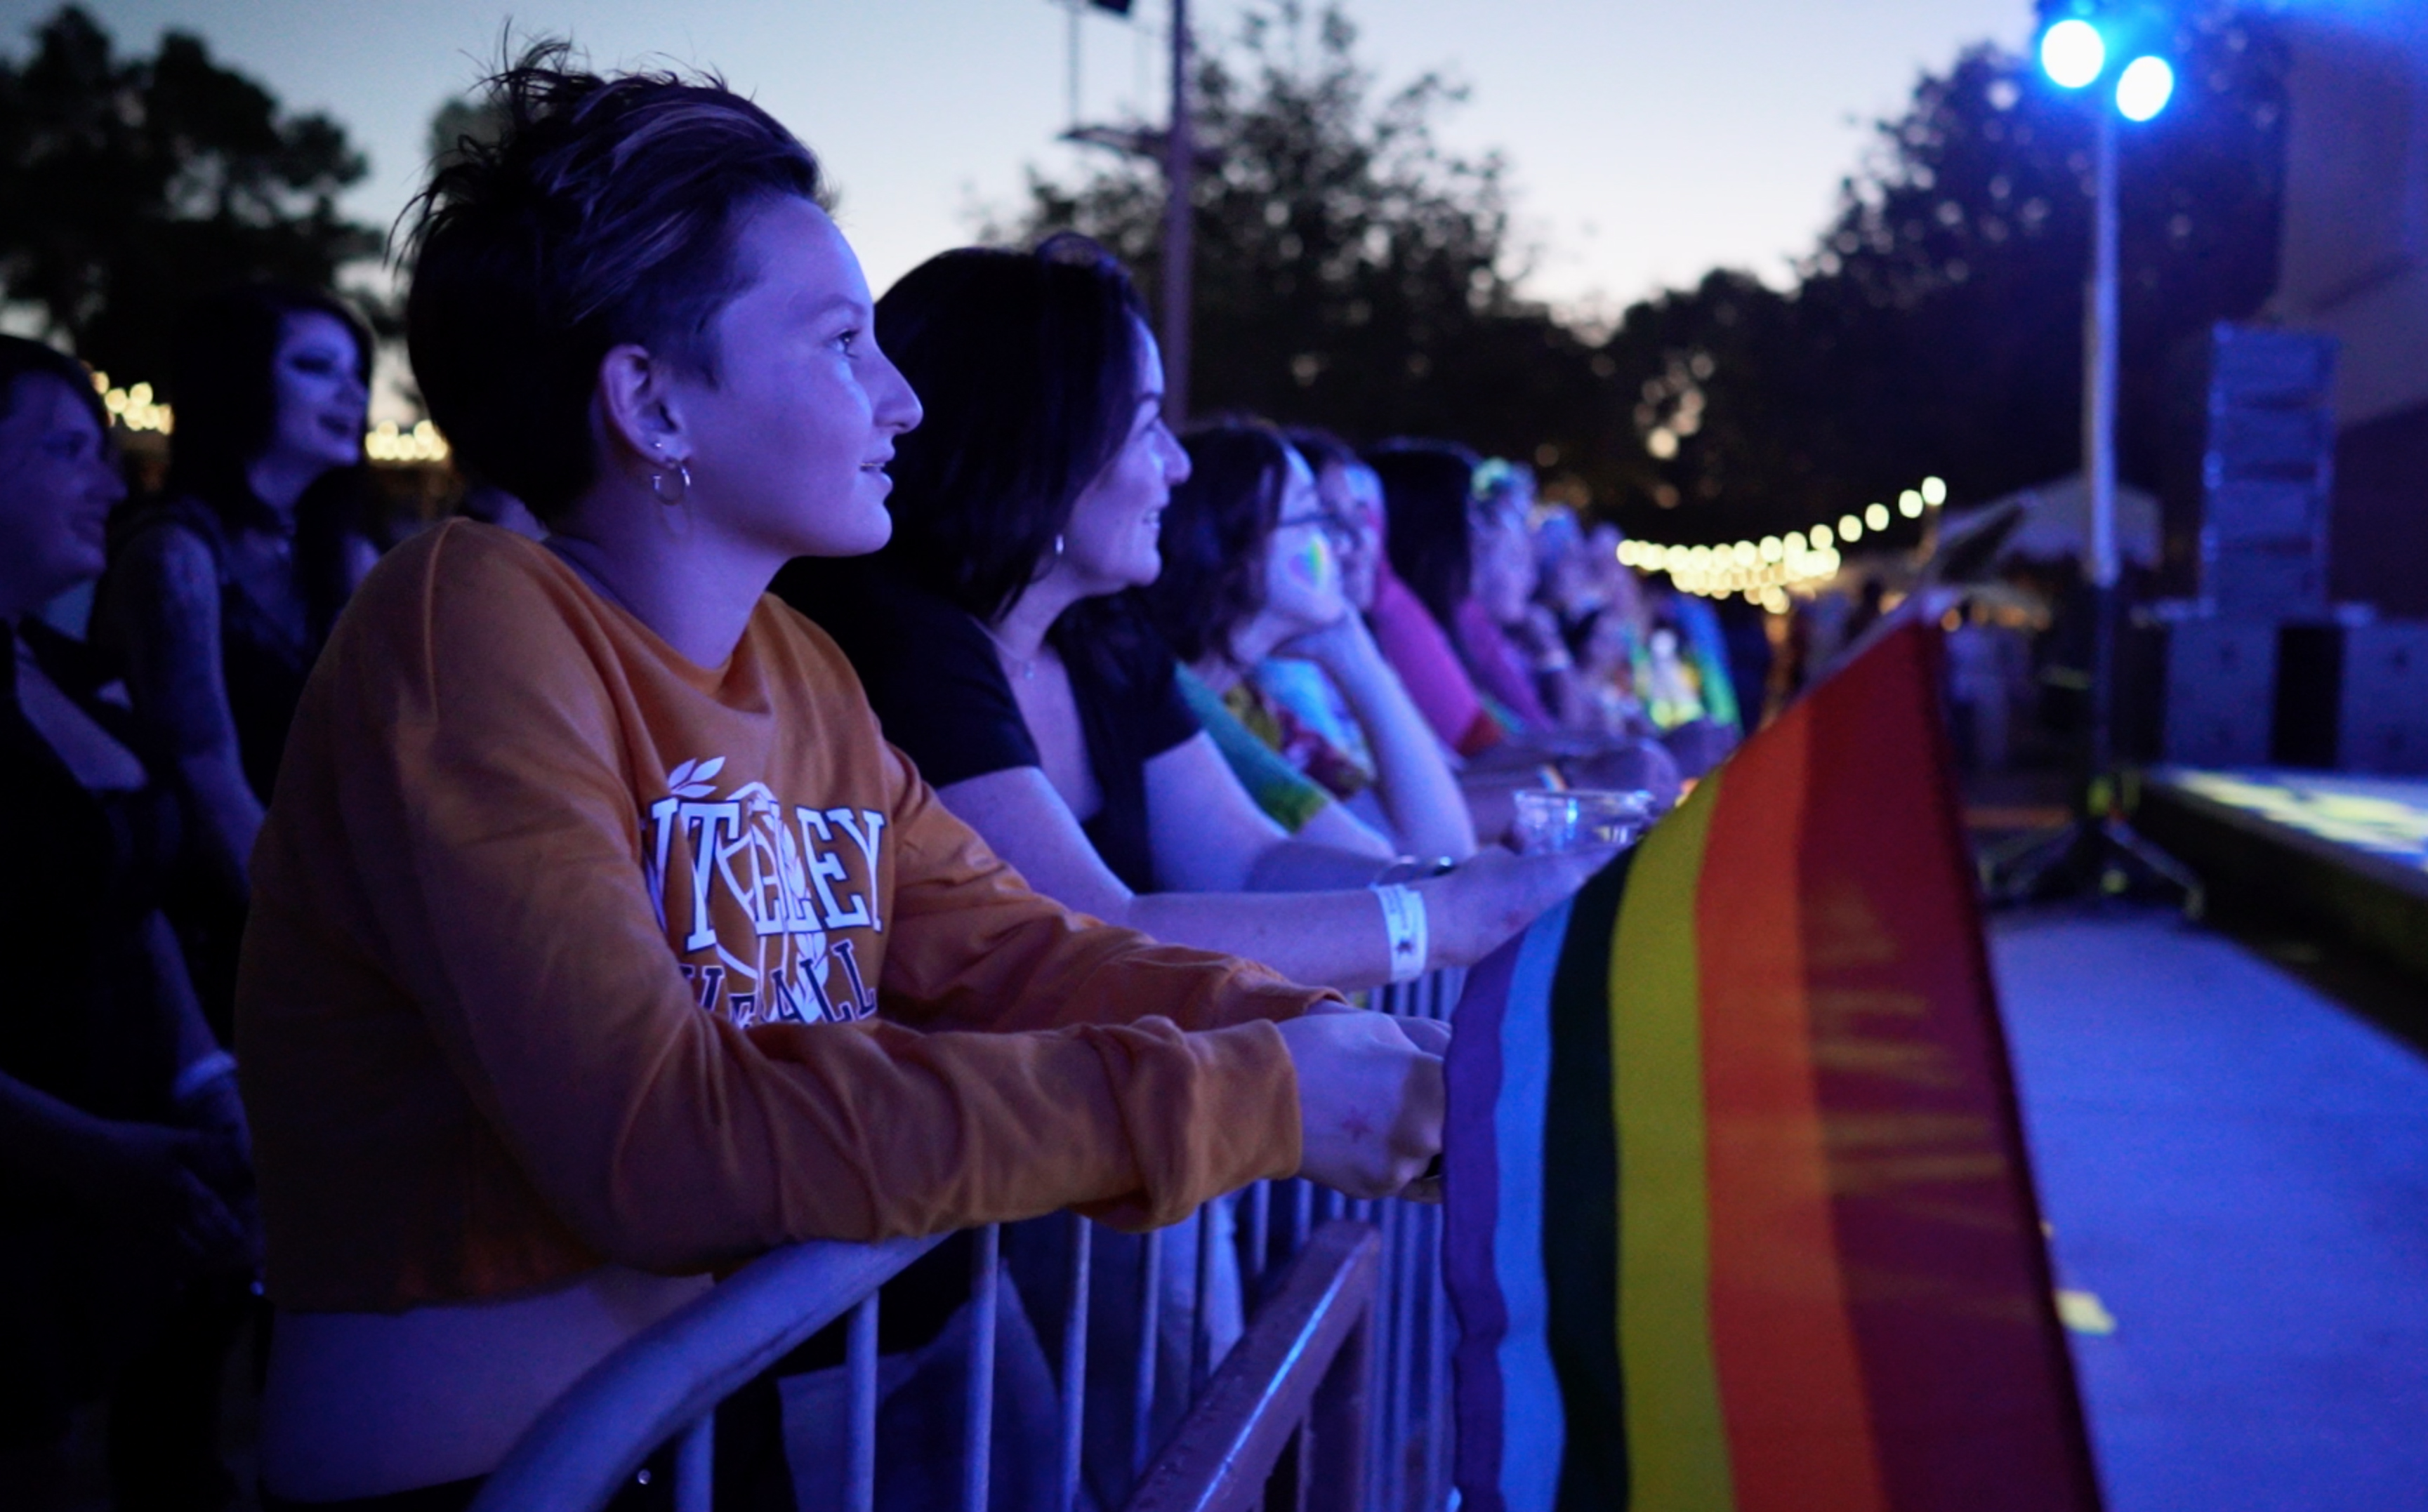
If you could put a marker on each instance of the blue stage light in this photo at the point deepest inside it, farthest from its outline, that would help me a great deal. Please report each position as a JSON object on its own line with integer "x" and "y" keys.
{"x": 2073, "y": 53}
{"x": 2144, "y": 88}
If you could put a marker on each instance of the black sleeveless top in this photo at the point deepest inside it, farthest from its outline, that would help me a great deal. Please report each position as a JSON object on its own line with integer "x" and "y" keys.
{"x": 932, "y": 674}
{"x": 86, "y": 1018}
{"x": 263, "y": 661}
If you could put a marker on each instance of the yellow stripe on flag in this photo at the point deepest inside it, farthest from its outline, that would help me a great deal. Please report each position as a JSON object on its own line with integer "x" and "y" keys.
{"x": 1677, "y": 1442}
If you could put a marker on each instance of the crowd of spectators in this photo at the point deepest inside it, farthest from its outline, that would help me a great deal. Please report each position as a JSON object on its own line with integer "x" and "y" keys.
{"x": 1251, "y": 689}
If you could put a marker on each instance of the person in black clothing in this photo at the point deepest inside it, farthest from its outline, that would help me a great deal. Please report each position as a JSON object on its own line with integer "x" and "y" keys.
{"x": 1001, "y": 644}
{"x": 125, "y": 1204}
{"x": 220, "y": 592}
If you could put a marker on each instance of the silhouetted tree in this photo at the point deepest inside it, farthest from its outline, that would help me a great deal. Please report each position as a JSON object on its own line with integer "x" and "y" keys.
{"x": 1937, "y": 327}
{"x": 1350, "y": 269}
{"x": 130, "y": 184}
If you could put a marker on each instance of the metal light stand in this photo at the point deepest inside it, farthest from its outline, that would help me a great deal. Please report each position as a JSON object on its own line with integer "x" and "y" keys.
{"x": 2096, "y": 852}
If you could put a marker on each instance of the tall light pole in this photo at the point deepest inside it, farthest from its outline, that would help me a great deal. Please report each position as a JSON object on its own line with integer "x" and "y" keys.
{"x": 2075, "y": 54}
{"x": 2099, "y": 847}
{"x": 1179, "y": 231}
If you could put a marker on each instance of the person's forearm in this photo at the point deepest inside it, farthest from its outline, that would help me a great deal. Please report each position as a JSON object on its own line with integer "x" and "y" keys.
{"x": 1328, "y": 939}
{"x": 1311, "y": 864}
{"x": 1417, "y": 788}
{"x": 227, "y": 813}
{"x": 44, "y": 1140}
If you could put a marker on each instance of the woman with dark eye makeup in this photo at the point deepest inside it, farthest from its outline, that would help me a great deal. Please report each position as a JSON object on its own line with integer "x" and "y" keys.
{"x": 221, "y": 594}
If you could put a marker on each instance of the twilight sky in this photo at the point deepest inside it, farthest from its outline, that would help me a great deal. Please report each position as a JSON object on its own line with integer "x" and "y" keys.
{"x": 1649, "y": 142}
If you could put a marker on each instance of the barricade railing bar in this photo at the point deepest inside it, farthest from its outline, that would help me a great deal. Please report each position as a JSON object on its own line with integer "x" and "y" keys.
{"x": 1335, "y": 1397}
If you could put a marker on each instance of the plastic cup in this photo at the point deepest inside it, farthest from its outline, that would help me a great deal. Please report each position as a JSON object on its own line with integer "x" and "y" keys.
{"x": 1579, "y": 819}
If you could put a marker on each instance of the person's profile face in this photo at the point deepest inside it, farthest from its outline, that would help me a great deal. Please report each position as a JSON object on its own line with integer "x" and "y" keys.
{"x": 1111, "y": 542}
{"x": 1504, "y": 575}
{"x": 788, "y": 444}
{"x": 1355, "y": 496}
{"x": 1302, "y": 572}
{"x": 319, "y": 402}
{"x": 57, "y": 488}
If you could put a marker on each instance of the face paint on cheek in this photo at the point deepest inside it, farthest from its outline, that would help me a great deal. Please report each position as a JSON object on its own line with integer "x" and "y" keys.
{"x": 1312, "y": 567}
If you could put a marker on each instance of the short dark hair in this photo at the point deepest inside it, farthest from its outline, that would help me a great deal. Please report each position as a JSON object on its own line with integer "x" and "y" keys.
{"x": 1427, "y": 486}
{"x": 21, "y": 358}
{"x": 605, "y": 211}
{"x": 1025, "y": 364}
{"x": 223, "y": 383}
{"x": 1214, "y": 534}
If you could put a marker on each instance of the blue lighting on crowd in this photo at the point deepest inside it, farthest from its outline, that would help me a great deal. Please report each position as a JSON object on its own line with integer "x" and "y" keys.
{"x": 2073, "y": 53}
{"x": 2144, "y": 88}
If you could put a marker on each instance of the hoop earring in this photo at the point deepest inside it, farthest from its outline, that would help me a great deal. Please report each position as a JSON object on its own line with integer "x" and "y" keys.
{"x": 1057, "y": 545}
{"x": 658, "y": 491}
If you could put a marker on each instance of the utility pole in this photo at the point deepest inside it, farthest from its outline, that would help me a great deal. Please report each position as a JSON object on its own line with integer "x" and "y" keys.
{"x": 1180, "y": 176}
{"x": 1177, "y": 148}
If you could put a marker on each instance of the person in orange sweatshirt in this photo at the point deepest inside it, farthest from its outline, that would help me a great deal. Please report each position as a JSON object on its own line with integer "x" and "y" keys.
{"x": 600, "y": 940}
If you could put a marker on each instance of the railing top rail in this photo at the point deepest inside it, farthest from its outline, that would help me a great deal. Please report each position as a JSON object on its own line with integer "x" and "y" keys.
{"x": 592, "y": 1438}
{"x": 1218, "y": 1457}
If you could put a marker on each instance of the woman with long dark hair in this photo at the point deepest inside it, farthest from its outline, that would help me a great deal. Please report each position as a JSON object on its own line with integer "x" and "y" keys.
{"x": 127, "y": 1250}
{"x": 221, "y": 593}
{"x": 1000, "y": 647}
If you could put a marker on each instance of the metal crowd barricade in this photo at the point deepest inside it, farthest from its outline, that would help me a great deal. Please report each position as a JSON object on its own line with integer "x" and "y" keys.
{"x": 1335, "y": 1399}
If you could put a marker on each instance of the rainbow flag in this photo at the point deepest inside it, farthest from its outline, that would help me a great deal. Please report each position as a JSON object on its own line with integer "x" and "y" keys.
{"x": 1740, "y": 1218}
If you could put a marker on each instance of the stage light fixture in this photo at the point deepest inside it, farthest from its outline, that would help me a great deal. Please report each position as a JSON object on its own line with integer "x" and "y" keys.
{"x": 2073, "y": 53}
{"x": 2144, "y": 88}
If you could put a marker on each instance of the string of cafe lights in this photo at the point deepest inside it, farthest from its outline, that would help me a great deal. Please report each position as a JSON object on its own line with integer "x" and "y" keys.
{"x": 1765, "y": 571}
{"x": 135, "y": 408}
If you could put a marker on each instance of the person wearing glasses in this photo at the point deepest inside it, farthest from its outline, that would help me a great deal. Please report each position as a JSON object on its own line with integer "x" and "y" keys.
{"x": 1253, "y": 570}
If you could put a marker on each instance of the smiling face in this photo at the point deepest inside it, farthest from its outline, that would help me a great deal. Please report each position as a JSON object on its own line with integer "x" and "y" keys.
{"x": 56, "y": 487}
{"x": 787, "y": 446}
{"x": 1355, "y": 496}
{"x": 1110, "y": 543}
{"x": 317, "y": 402}
{"x": 1302, "y": 572}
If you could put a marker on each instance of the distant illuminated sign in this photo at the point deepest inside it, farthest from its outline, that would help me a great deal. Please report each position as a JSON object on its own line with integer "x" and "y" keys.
{"x": 2387, "y": 819}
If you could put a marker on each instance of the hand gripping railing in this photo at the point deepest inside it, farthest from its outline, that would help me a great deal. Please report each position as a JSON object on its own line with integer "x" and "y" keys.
{"x": 1336, "y": 1395}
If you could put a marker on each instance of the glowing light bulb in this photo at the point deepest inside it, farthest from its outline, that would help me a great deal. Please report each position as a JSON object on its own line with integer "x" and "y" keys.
{"x": 1909, "y": 504}
{"x": 1876, "y": 516}
{"x": 1935, "y": 490}
{"x": 2144, "y": 88}
{"x": 2073, "y": 53}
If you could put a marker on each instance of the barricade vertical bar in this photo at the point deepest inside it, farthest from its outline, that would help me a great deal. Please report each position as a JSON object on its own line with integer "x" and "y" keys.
{"x": 696, "y": 1465}
{"x": 1201, "y": 1313}
{"x": 1149, "y": 1321}
{"x": 859, "y": 1359}
{"x": 1260, "y": 1202}
{"x": 978, "y": 1435}
{"x": 1301, "y": 1213}
{"x": 1074, "y": 1368}
{"x": 1389, "y": 1342}
{"x": 1438, "y": 1423}
{"x": 1404, "y": 1324}
{"x": 1337, "y": 1472}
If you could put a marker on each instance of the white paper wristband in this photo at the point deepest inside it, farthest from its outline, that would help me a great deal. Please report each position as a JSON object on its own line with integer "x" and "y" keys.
{"x": 1404, "y": 923}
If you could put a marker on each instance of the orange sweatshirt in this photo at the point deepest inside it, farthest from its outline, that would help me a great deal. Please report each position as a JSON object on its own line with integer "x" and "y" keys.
{"x": 567, "y": 951}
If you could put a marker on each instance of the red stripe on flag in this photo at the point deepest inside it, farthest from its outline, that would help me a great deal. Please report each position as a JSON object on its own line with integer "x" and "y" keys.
{"x": 1791, "y": 1386}
{"x": 1972, "y": 1397}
